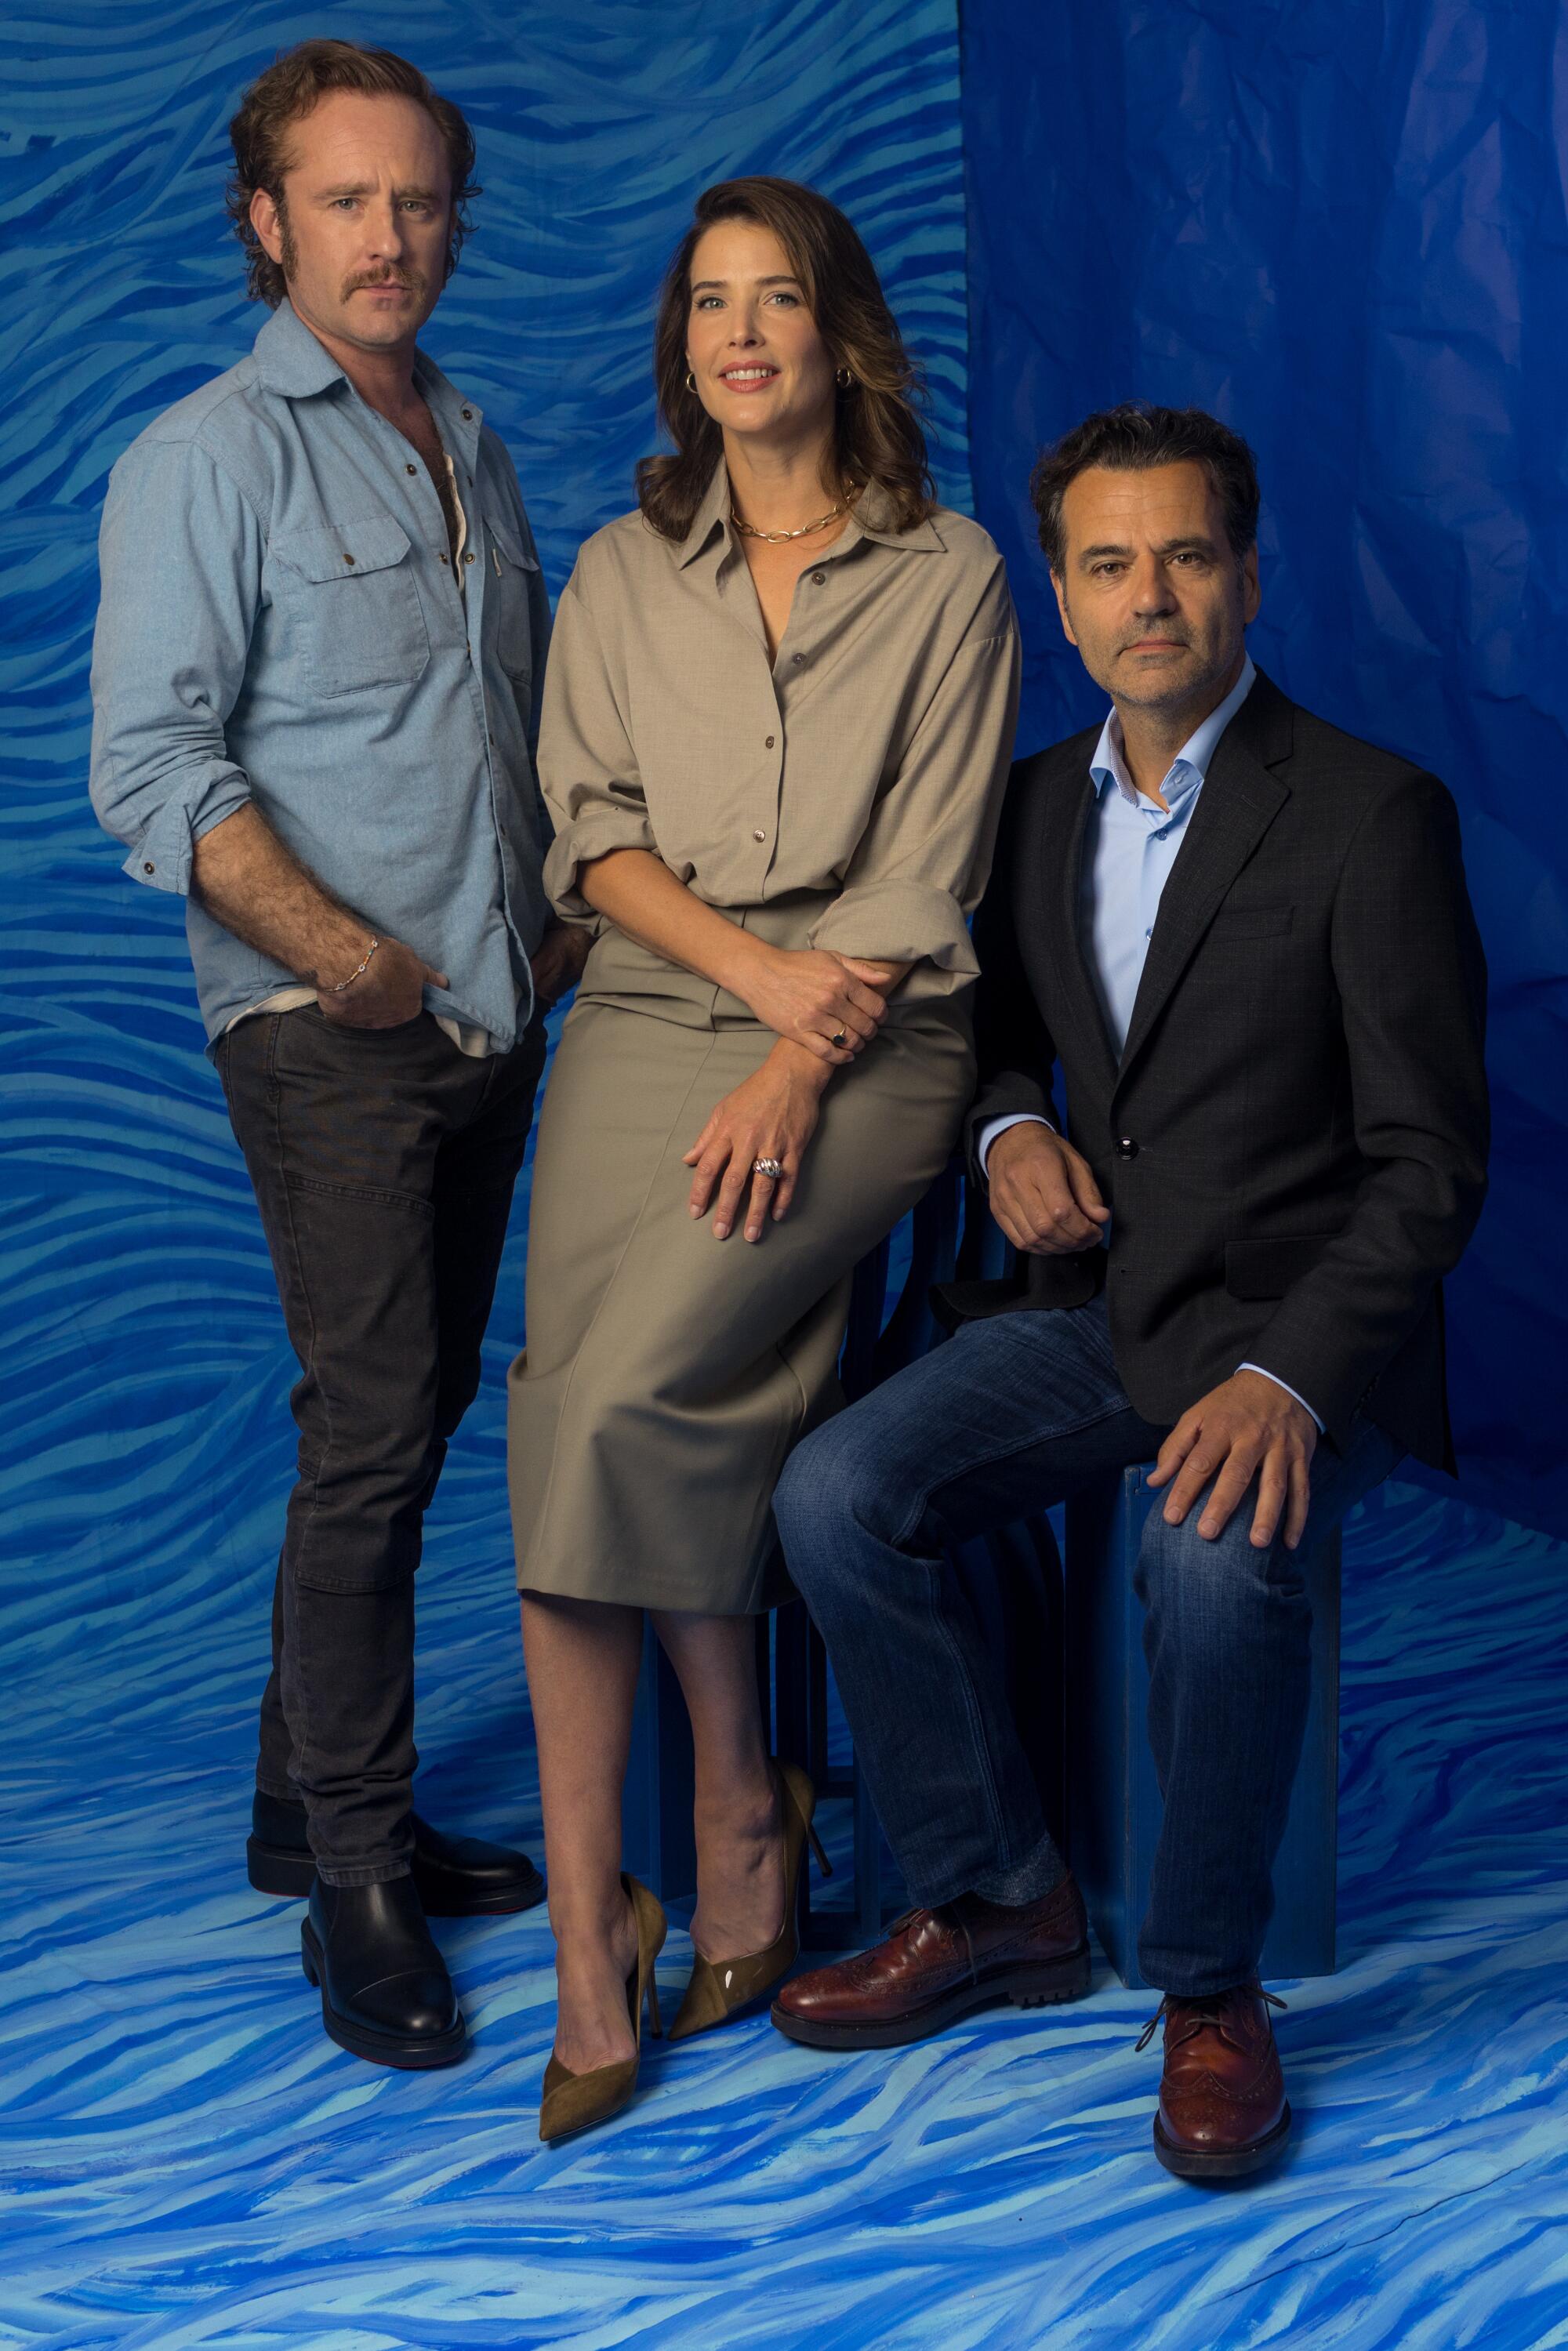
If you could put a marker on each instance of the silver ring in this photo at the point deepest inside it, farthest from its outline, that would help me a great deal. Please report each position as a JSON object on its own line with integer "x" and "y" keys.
{"x": 772, "y": 1168}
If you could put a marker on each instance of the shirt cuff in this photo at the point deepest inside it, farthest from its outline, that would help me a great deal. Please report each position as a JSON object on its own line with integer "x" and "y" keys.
{"x": 1290, "y": 1391}
{"x": 599, "y": 828}
{"x": 164, "y": 857}
{"x": 994, "y": 1126}
{"x": 897, "y": 921}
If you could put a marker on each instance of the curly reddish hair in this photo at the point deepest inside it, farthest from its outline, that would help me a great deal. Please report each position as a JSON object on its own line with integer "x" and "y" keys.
{"x": 291, "y": 87}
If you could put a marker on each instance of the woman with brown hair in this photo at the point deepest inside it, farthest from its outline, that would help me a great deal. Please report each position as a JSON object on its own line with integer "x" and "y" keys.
{"x": 777, "y": 722}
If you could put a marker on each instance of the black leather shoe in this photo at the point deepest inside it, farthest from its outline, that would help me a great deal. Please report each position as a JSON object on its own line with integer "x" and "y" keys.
{"x": 456, "y": 1878}
{"x": 385, "y": 1991}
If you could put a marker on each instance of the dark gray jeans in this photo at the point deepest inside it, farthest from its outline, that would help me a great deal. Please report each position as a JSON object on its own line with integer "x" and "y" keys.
{"x": 384, "y": 1162}
{"x": 1010, "y": 1416}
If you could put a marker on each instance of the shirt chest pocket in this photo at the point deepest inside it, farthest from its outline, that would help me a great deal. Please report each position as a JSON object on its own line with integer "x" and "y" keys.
{"x": 507, "y": 596}
{"x": 351, "y": 589}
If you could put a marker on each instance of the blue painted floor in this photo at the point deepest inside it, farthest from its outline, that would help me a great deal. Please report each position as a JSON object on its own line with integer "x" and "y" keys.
{"x": 187, "y": 2162}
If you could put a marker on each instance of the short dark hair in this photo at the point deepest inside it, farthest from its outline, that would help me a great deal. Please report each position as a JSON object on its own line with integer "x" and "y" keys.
{"x": 1131, "y": 439}
{"x": 291, "y": 87}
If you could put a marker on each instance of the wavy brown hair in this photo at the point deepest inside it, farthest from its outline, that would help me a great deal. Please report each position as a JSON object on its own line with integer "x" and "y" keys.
{"x": 291, "y": 87}
{"x": 876, "y": 433}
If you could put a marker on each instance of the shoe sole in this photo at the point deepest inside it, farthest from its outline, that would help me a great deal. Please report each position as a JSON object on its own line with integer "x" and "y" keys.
{"x": 406, "y": 2054}
{"x": 274, "y": 1869}
{"x": 1046, "y": 1987}
{"x": 1189, "y": 2163}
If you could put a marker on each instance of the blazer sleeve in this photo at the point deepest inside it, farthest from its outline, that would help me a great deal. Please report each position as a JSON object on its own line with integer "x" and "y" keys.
{"x": 1014, "y": 1050}
{"x": 1411, "y": 977}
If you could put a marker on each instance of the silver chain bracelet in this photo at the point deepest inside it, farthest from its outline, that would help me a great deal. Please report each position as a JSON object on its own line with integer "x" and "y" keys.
{"x": 357, "y": 973}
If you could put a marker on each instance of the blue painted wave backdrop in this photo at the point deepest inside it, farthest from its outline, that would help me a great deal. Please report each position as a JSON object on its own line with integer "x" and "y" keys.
{"x": 1343, "y": 229}
{"x": 186, "y": 2160}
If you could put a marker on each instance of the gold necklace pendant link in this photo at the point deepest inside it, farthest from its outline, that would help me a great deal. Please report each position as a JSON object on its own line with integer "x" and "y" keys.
{"x": 776, "y": 537}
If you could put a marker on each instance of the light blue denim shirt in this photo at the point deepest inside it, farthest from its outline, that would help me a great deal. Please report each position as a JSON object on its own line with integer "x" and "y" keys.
{"x": 280, "y": 623}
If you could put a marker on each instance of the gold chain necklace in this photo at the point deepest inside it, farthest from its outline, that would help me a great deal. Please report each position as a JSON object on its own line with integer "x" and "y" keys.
{"x": 776, "y": 538}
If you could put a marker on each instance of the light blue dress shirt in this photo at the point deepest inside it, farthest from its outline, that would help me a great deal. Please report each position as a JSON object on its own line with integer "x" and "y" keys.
{"x": 280, "y": 624}
{"x": 1127, "y": 863}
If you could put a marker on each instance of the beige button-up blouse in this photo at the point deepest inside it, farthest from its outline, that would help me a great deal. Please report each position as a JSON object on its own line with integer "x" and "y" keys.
{"x": 867, "y": 758}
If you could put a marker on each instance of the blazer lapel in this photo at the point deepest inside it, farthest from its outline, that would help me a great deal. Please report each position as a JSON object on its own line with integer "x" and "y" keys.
{"x": 1064, "y": 833}
{"x": 1239, "y": 800}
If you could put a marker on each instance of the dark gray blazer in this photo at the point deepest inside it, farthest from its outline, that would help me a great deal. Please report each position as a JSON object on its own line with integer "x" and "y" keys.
{"x": 1293, "y": 1144}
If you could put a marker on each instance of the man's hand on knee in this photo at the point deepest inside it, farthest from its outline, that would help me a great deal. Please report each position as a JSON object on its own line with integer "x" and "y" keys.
{"x": 1043, "y": 1192}
{"x": 1247, "y": 1427}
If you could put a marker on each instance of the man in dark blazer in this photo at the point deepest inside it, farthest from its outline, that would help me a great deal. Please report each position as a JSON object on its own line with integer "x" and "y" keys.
{"x": 1242, "y": 940}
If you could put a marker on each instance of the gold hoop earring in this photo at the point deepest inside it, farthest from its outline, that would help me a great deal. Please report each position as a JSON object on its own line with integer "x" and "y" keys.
{"x": 690, "y": 380}
{"x": 842, "y": 377}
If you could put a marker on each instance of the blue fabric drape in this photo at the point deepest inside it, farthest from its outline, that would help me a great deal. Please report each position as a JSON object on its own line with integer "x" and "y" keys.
{"x": 1342, "y": 230}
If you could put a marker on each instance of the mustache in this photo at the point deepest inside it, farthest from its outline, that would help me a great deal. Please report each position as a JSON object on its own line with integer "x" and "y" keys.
{"x": 411, "y": 281}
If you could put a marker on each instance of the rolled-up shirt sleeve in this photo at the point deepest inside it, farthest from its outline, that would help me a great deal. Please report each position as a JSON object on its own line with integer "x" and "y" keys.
{"x": 180, "y": 555}
{"x": 588, "y": 767}
{"x": 923, "y": 862}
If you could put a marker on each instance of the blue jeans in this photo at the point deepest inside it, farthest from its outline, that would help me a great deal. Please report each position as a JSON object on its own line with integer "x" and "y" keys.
{"x": 1014, "y": 1414}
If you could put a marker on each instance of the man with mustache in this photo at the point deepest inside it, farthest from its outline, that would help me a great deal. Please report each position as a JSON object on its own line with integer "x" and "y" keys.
{"x": 315, "y": 691}
{"x": 1244, "y": 941}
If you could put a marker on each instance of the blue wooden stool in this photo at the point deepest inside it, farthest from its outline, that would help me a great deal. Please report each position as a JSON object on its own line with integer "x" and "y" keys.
{"x": 1114, "y": 1801}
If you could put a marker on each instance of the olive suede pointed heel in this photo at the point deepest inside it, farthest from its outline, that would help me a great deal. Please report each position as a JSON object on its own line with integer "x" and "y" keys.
{"x": 718, "y": 1988}
{"x": 574, "y": 2101}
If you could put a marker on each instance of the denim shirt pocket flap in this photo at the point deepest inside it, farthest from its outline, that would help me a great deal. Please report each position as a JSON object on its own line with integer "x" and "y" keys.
{"x": 336, "y": 551}
{"x": 1269, "y": 1267}
{"x": 357, "y": 613}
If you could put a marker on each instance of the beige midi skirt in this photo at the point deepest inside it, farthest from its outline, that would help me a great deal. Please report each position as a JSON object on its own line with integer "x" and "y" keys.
{"x": 666, "y": 1375}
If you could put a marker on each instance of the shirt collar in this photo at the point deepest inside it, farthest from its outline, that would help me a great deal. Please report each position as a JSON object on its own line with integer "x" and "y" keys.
{"x": 1187, "y": 770}
{"x": 872, "y": 517}
{"x": 297, "y": 363}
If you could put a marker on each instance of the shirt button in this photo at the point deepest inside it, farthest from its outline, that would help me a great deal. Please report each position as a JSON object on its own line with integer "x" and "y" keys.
{"x": 756, "y": 836}
{"x": 411, "y": 469}
{"x": 819, "y": 578}
{"x": 1126, "y": 1148}
{"x": 150, "y": 869}
{"x": 348, "y": 558}
{"x": 798, "y": 659}
{"x": 468, "y": 558}
{"x": 467, "y": 416}
{"x": 768, "y": 742}
{"x": 441, "y": 559}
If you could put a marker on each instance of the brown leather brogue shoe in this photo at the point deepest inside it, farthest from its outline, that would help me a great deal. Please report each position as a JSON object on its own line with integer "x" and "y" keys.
{"x": 935, "y": 1966}
{"x": 1222, "y": 2096}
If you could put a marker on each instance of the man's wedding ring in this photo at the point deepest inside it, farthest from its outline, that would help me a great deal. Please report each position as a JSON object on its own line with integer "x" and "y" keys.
{"x": 772, "y": 1168}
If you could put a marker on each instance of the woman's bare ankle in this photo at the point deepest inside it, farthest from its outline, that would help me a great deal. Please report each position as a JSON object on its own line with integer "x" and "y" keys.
{"x": 596, "y": 1950}
{"x": 740, "y": 1874}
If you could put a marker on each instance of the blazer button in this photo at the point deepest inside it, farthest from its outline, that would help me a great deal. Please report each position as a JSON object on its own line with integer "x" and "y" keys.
{"x": 1126, "y": 1148}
